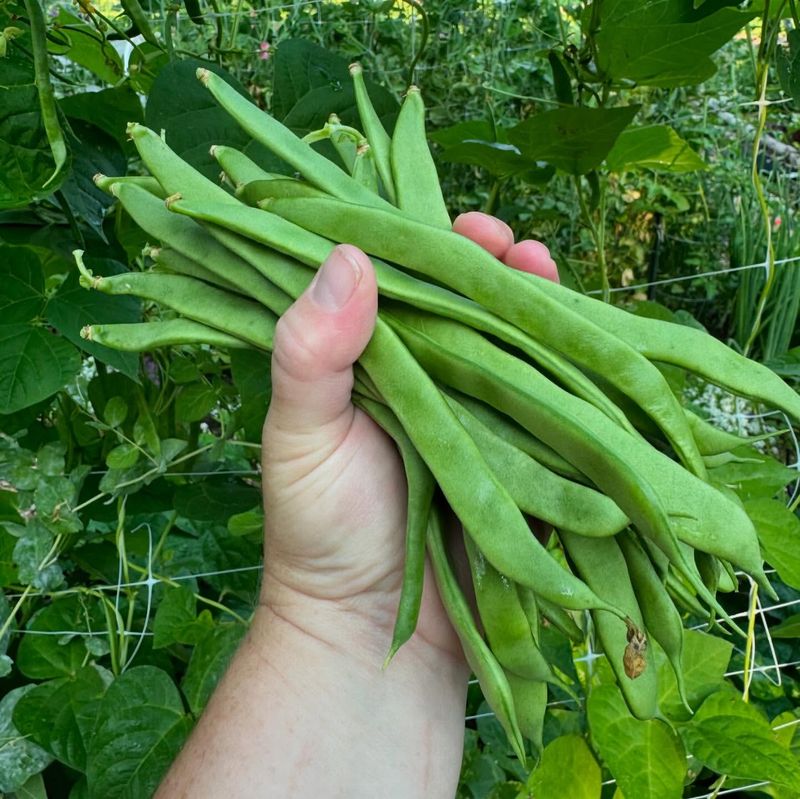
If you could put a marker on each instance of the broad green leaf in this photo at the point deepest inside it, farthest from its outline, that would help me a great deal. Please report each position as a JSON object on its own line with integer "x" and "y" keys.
{"x": 123, "y": 457}
{"x": 645, "y": 757}
{"x": 248, "y": 523}
{"x": 705, "y": 660}
{"x": 94, "y": 151}
{"x": 733, "y": 737}
{"x": 663, "y": 42}
{"x": 251, "y": 376}
{"x": 20, "y": 758}
{"x": 32, "y": 789}
{"x": 788, "y": 628}
{"x": 195, "y": 402}
{"x": 193, "y": 121}
{"x": 175, "y": 615}
{"x": 22, "y": 288}
{"x": 209, "y": 660}
{"x": 34, "y": 364}
{"x": 221, "y": 552}
{"x": 573, "y": 139}
{"x": 54, "y": 648}
{"x": 26, "y": 163}
{"x": 656, "y": 147}
{"x": 83, "y": 44}
{"x": 115, "y": 411}
{"x": 311, "y": 83}
{"x": 109, "y": 109}
{"x": 72, "y": 307}
{"x": 788, "y": 62}
{"x": 49, "y": 714}
{"x": 140, "y": 729}
{"x": 757, "y": 476}
{"x": 30, "y": 553}
{"x": 214, "y": 499}
{"x": 779, "y": 533}
{"x": 567, "y": 768}
{"x": 5, "y": 610}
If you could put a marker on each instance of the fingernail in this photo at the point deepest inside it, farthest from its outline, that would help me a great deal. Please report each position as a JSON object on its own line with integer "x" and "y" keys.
{"x": 336, "y": 280}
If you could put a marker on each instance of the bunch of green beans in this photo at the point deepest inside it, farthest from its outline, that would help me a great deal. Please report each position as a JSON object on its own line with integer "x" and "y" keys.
{"x": 507, "y": 395}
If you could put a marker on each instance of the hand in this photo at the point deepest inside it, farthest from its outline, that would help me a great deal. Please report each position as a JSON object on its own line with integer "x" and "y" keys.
{"x": 334, "y": 487}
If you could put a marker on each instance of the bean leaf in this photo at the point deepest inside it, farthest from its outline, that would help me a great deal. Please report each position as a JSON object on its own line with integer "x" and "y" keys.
{"x": 779, "y": 533}
{"x": 655, "y": 147}
{"x": 645, "y": 757}
{"x": 567, "y": 768}
{"x": 20, "y": 758}
{"x": 140, "y": 727}
{"x": 22, "y": 288}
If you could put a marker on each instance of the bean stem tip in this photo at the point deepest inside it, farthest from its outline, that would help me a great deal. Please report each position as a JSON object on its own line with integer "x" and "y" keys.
{"x": 203, "y": 75}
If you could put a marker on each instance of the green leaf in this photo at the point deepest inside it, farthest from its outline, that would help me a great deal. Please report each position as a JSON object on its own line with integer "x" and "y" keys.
{"x": 251, "y": 376}
{"x": 573, "y": 139}
{"x": 705, "y": 660}
{"x": 34, "y": 364}
{"x": 779, "y": 533}
{"x": 788, "y": 63}
{"x": 72, "y": 307}
{"x": 54, "y": 648}
{"x": 757, "y": 476}
{"x": 567, "y": 768}
{"x": 26, "y": 163}
{"x": 115, "y": 411}
{"x": 788, "y": 628}
{"x": 20, "y": 758}
{"x": 310, "y": 83}
{"x": 209, "y": 660}
{"x": 93, "y": 150}
{"x": 123, "y": 457}
{"x": 22, "y": 288}
{"x": 32, "y": 789}
{"x": 663, "y": 42}
{"x": 49, "y": 714}
{"x": 645, "y": 757}
{"x": 176, "y": 613}
{"x": 214, "y": 499}
{"x": 656, "y": 147}
{"x": 251, "y": 522}
{"x": 109, "y": 109}
{"x": 84, "y": 45}
{"x": 30, "y": 552}
{"x": 195, "y": 402}
{"x": 733, "y": 737}
{"x": 179, "y": 105}
{"x": 140, "y": 729}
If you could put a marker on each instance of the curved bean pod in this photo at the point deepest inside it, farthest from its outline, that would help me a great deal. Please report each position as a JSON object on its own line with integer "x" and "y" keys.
{"x": 237, "y": 166}
{"x": 148, "y": 336}
{"x": 494, "y": 682}
{"x": 530, "y": 704}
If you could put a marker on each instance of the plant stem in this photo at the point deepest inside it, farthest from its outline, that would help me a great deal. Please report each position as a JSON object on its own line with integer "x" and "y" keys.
{"x": 598, "y": 232}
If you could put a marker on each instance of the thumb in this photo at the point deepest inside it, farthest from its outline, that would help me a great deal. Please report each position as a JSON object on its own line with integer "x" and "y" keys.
{"x": 317, "y": 341}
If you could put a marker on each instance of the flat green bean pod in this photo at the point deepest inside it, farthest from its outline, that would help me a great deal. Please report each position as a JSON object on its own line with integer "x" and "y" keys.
{"x": 148, "y": 336}
{"x": 539, "y": 491}
{"x": 421, "y": 486}
{"x": 493, "y": 680}
{"x": 169, "y": 260}
{"x": 237, "y": 166}
{"x": 150, "y": 184}
{"x": 530, "y": 704}
{"x": 467, "y": 268}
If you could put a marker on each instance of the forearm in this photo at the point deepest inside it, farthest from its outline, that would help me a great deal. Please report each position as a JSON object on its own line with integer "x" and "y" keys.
{"x": 299, "y": 714}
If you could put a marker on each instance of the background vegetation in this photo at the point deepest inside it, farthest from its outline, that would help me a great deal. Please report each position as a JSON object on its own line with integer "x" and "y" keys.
{"x": 129, "y": 502}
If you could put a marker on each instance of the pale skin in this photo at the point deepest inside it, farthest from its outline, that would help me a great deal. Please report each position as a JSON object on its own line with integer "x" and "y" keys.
{"x": 305, "y": 709}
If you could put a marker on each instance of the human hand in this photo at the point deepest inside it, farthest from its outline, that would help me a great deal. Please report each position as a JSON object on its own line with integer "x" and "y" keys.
{"x": 334, "y": 487}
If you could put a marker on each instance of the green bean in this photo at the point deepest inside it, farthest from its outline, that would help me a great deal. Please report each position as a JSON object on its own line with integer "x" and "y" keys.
{"x": 471, "y": 488}
{"x": 48, "y": 107}
{"x": 148, "y": 336}
{"x": 469, "y": 269}
{"x": 364, "y": 171}
{"x": 728, "y": 581}
{"x": 150, "y": 184}
{"x": 709, "y": 568}
{"x": 493, "y": 681}
{"x": 416, "y": 182}
{"x": 237, "y": 166}
{"x": 189, "y": 239}
{"x": 169, "y": 260}
{"x": 136, "y": 13}
{"x": 600, "y": 562}
{"x": 513, "y": 434}
{"x": 421, "y": 486}
{"x": 631, "y": 472}
{"x": 253, "y": 193}
{"x": 374, "y": 131}
{"x": 686, "y": 347}
{"x": 193, "y": 299}
{"x": 280, "y": 140}
{"x": 661, "y": 620}
{"x": 560, "y": 619}
{"x": 530, "y": 705}
{"x": 504, "y": 622}
{"x": 538, "y": 491}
